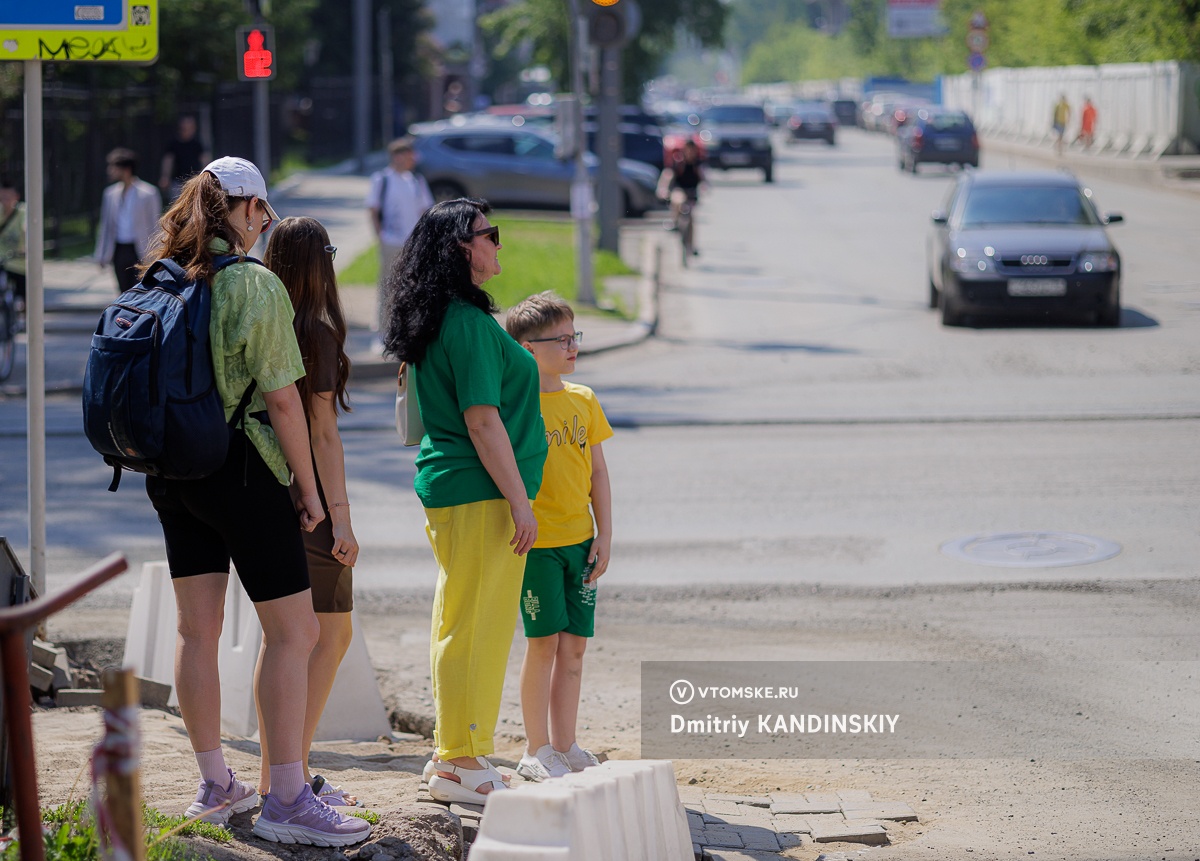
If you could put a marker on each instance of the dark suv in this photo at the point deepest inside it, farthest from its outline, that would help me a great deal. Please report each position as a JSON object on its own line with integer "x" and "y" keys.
{"x": 737, "y": 135}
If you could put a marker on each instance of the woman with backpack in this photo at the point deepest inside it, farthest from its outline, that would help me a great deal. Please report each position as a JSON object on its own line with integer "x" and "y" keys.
{"x": 244, "y": 512}
{"x": 300, "y": 254}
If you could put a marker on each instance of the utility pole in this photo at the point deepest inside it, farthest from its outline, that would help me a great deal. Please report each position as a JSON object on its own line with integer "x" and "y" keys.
{"x": 581, "y": 184}
{"x": 362, "y": 82}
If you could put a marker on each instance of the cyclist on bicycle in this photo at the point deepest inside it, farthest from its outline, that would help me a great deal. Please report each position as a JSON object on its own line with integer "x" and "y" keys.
{"x": 680, "y": 184}
{"x": 12, "y": 239}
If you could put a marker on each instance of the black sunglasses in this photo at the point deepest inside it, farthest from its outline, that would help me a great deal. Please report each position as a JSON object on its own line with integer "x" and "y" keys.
{"x": 492, "y": 233}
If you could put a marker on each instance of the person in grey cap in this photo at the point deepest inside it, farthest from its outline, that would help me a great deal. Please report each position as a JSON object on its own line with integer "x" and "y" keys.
{"x": 244, "y": 513}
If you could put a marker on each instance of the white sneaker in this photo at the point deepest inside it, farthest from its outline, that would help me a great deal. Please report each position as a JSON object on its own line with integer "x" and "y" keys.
{"x": 578, "y": 758}
{"x": 543, "y": 765}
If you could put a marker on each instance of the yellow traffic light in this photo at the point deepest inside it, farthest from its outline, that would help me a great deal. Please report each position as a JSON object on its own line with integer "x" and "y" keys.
{"x": 606, "y": 2}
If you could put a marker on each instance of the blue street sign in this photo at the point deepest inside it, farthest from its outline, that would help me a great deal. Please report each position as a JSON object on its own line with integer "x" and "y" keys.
{"x": 70, "y": 14}
{"x": 977, "y": 62}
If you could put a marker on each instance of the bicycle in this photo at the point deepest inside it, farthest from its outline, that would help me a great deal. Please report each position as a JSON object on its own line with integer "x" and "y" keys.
{"x": 8, "y": 326}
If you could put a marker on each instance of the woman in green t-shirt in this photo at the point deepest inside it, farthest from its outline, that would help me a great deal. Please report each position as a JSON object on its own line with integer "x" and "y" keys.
{"x": 479, "y": 466}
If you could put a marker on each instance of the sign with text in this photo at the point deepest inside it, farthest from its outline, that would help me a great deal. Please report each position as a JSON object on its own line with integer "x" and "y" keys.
{"x": 911, "y": 19}
{"x": 108, "y": 31}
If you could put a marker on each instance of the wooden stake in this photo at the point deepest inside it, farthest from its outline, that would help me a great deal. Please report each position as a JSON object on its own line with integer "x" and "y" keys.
{"x": 125, "y": 790}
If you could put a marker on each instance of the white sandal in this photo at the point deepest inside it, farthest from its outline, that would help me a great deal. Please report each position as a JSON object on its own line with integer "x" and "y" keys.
{"x": 465, "y": 789}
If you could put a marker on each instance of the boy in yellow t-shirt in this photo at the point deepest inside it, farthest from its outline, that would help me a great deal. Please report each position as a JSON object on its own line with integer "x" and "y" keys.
{"x": 558, "y": 595}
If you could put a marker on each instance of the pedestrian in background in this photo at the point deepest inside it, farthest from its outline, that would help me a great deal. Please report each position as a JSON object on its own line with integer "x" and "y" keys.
{"x": 300, "y": 254}
{"x": 244, "y": 513}
{"x": 182, "y": 159}
{"x": 12, "y": 239}
{"x": 129, "y": 215}
{"x": 574, "y": 543}
{"x": 1087, "y": 123}
{"x": 479, "y": 468}
{"x": 1059, "y": 120}
{"x": 397, "y": 198}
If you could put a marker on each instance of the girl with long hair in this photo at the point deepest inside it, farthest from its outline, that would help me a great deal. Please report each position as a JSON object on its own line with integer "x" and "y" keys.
{"x": 244, "y": 513}
{"x": 300, "y": 254}
{"x": 479, "y": 466}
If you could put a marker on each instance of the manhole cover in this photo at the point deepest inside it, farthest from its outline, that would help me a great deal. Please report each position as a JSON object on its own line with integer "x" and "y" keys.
{"x": 1031, "y": 549}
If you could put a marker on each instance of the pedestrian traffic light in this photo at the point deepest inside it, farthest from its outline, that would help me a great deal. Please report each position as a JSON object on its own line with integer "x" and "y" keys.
{"x": 612, "y": 23}
{"x": 256, "y": 53}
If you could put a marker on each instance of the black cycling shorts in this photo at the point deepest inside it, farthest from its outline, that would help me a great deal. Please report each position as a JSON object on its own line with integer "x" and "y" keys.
{"x": 241, "y": 512}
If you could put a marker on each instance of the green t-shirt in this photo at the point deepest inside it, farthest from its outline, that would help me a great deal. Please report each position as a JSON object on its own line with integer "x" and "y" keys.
{"x": 474, "y": 362}
{"x": 251, "y": 337}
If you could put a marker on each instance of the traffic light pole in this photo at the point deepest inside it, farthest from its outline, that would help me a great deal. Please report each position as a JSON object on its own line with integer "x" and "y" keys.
{"x": 608, "y": 147}
{"x": 581, "y": 185}
{"x": 262, "y": 126}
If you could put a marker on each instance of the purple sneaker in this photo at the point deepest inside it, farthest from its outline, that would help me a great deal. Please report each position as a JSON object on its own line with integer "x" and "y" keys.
{"x": 216, "y": 804}
{"x": 308, "y": 820}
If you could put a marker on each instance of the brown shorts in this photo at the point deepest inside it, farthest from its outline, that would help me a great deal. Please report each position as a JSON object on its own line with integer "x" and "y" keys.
{"x": 332, "y": 582}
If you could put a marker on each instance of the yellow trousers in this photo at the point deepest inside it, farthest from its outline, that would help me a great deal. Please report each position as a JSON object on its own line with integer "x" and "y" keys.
{"x": 475, "y": 610}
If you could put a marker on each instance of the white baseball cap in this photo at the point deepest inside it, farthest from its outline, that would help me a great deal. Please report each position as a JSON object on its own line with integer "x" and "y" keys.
{"x": 240, "y": 178}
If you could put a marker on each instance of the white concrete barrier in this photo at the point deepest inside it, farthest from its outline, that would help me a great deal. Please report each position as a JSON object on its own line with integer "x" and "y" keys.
{"x": 355, "y": 709}
{"x": 618, "y": 811}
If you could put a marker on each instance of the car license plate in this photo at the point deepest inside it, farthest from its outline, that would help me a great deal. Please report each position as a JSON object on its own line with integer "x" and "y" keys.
{"x": 1037, "y": 287}
{"x": 737, "y": 158}
{"x": 945, "y": 143}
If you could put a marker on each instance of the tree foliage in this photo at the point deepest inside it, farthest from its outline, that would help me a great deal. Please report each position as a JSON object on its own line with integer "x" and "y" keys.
{"x": 1021, "y": 33}
{"x": 544, "y": 25}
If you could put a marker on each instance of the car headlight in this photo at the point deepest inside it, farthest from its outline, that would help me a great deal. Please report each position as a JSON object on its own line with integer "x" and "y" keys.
{"x": 1097, "y": 261}
{"x": 973, "y": 264}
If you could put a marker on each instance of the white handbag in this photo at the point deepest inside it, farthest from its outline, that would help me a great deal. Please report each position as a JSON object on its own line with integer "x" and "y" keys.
{"x": 408, "y": 414}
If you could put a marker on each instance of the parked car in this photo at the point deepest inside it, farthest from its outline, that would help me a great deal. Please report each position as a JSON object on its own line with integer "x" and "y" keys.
{"x": 515, "y": 167}
{"x": 846, "y": 111}
{"x": 736, "y": 135}
{"x": 938, "y": 136}
{"x": 1027, "y": 243}
{"x": 812, "y": 122}
{"x": 641, "y": 134}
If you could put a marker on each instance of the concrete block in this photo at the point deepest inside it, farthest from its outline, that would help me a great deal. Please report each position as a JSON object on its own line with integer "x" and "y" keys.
{"x": 467, "y": 811}
{"x": 656, "y": 782}
{"x": 824, "y": 798}
{"x": 44, "y": 654}
{"x": 803, "y": 808}
{"x": 719, "y": 836}
{"x": 854, "y": 797}
{"x": 862, "y": 831}
{"x": 894, "y": 811}
{"x": 355, "y": 707}
{"x": 752, "y": 800}
{"x": 486, "y": 849}
{"x": 77, "y": 697}
{"x": 792, "y": 824}
{"x": 40, "y": 678}
{"x": 150, "y": 636}
{"x": 720, "y": 808}
{"x": 788, "y": 840}
{"x": 760, "y": 838}
{"x": 738, "y": 821}
{"x": 735, "y": 855}
{"x": 154, "y": 695}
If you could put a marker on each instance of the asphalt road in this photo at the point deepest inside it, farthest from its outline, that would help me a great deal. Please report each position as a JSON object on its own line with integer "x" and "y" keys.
{"x": 803, "y": 417}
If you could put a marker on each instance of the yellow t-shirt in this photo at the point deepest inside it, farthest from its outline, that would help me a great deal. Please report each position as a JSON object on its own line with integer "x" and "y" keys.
{"x": 574, "y": 423}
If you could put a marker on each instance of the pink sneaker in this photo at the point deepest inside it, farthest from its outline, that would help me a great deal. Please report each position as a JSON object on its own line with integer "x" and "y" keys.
{"x": 216, "y": 804}
{"x": 308, "y": 820}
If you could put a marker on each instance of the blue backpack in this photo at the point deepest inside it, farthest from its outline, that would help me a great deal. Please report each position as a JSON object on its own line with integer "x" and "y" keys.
{"x": 150, "y": 401}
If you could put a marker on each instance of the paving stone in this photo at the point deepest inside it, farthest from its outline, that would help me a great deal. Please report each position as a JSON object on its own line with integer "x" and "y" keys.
{"x": 718, "y": 836}
{"x": 44, "y": 654}
{"x": 788, "y": 840}
{"x": 727, "y": 855}
{"x": 720, "y": 807}
{"x": 697, "y": 852}
{"x": 695, "y": 820}
{"x": 694, "y": 807}
{"x": 690, "y": 794}
{"x": 849, "y": 831}
{"x": 854, "y": 797}
{"x": 753, "y": 800}
{"x": 781, "y": 797}
{"x": 763, "y": 839}
{"x": 77, "y": 697}
{"x": 467, "y": 811}
{"x": 829, "y": 798}
{"x": 896, "y": 811}
{"x": 739, "y": 821}
{"x": 791, "y": 824}
{"x": 804, "y": 807}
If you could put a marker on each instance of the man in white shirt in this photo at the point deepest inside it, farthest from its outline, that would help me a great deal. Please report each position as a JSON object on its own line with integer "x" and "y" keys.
{"x": 397, "y": 198}
{"x": 129, "y": 216}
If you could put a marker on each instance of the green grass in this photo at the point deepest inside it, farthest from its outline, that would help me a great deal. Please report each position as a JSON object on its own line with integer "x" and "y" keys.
{"x": 538, "y": 254}
{"x": 74, "y": 838}
{"x": 369, "y": 816}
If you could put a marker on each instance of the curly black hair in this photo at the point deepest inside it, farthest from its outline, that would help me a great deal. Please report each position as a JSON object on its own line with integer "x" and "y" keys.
{"x": 430, "y": 273}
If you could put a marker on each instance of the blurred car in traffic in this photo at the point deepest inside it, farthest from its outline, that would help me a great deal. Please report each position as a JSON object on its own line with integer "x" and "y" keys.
{"x": 902, "y": 114}
{"x": 1028, "y": 243}
{"x": 876, "y": 112}
{"x": 515, "y": 167}
{"x": 736, "y": 135}
{"x": 846, "y": 111}
{"x": 813, "y": 121}
{"x": 777, "y": 113}
{"x": 938, "y": 136}
{"x": 641, "y": 134}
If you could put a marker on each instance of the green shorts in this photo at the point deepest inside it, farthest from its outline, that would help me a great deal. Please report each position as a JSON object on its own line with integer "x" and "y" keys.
{"x": 553, "y": 597}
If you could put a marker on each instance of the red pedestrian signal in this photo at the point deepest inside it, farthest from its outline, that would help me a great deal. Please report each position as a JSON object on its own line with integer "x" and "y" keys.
{"x": 256, "y": 53}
